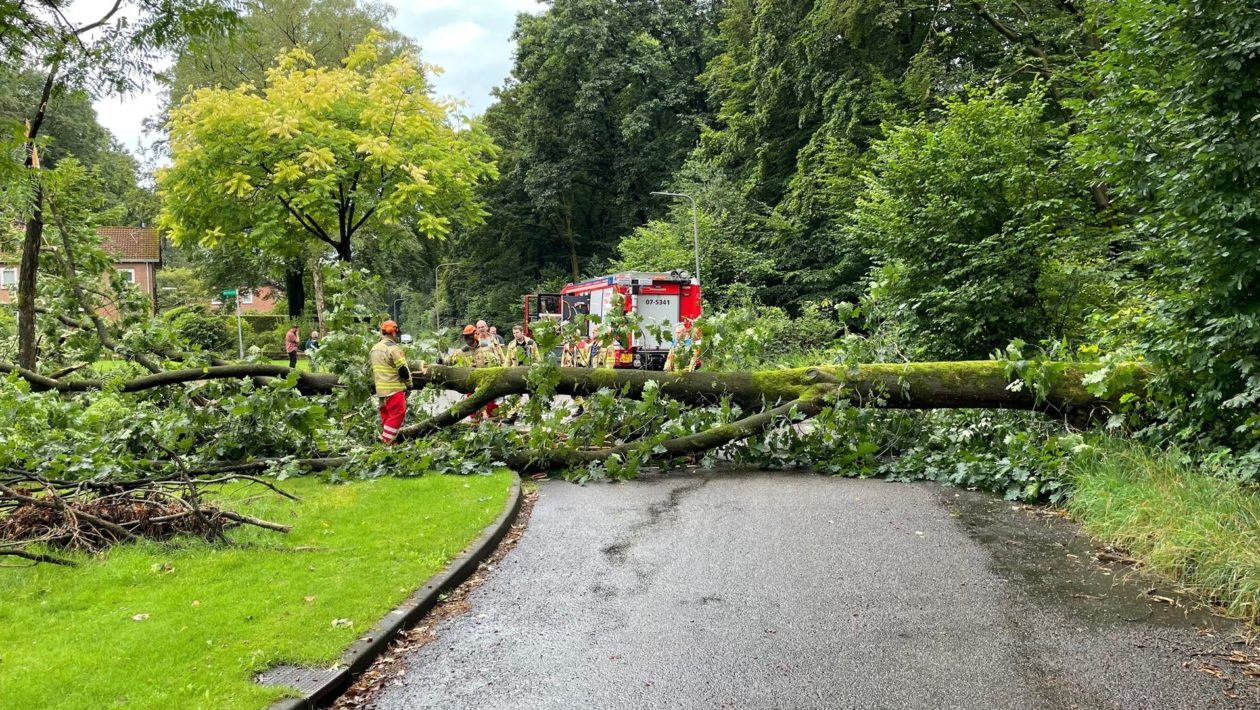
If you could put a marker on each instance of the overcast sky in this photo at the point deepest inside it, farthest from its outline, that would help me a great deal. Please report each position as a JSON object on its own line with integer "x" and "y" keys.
{"x": 469, "y": 39}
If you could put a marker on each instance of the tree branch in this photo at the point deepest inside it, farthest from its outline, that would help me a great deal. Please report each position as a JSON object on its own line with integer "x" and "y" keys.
{"x": 36, "y": 557}
{"x": 714, "y": 438}
{"x": 308, "y": 382}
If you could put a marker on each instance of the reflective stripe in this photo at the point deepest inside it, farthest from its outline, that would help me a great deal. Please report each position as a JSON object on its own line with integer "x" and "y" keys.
{"x": 390, "y": 430}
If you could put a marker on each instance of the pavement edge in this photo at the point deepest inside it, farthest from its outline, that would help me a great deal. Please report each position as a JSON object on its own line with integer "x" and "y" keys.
{"x": 372, "y": 644}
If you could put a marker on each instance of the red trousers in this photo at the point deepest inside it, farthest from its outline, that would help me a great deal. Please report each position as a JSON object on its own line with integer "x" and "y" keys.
{"x": 487, "y": 412}
{"x": 393, "y": 411}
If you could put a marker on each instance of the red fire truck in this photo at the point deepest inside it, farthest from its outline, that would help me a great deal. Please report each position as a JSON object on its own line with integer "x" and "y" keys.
{"x": 658, "y": 297}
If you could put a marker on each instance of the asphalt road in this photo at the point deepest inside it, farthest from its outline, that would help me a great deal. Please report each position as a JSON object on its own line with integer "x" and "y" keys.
{"x": 799, "y": 591}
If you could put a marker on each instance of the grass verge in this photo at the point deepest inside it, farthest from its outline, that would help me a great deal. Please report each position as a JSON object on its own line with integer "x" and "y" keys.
{"x": 188, "y": 625}
{"x": 1200, "y": 531}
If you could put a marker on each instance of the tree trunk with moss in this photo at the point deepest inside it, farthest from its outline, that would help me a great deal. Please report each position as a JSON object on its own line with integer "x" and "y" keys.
{"x": 768, "y": 395}
{"x": 978, "y": 384}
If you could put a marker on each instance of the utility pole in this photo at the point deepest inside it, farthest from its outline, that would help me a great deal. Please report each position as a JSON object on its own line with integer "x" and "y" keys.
{"x": 695, "y": 223}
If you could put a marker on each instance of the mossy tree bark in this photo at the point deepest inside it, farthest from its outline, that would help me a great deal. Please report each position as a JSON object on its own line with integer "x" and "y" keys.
{"x": 923, "y": 385}
{"x": 768, "y": 395}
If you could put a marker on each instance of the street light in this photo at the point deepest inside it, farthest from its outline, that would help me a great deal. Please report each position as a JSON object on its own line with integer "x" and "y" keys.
{"x": 394, "y": 308}
{"x": 437, "y": 303}
{"x": 695, "y": 223}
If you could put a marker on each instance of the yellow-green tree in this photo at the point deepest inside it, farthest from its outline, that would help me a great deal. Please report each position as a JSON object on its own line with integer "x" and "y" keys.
{"x": 330, "y": 154}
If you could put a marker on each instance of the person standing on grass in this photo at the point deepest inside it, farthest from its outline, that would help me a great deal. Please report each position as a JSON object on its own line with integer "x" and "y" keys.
{"x": 312, "y": 344}
{"x": 392, "y": 379}
{"x": 291, "y": 345}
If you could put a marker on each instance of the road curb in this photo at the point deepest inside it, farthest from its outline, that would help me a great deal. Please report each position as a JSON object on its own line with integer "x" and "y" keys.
{"x": 364, "y": 651}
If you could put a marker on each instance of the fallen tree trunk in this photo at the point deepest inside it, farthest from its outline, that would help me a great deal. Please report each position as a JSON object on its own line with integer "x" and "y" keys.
{"x": 981, "y": 384}
{"x": 308, "y": 382}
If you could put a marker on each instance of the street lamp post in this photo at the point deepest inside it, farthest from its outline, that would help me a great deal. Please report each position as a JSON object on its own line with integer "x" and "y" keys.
{"x": 437, "y": 304}
{"x": 395, "y": 309}
{"x": 695, "y": 223}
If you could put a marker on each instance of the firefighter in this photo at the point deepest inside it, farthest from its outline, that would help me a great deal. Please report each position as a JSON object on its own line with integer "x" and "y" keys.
{"x": 521, "y": 349}
{"x": 392, "y": 378}
{"x": 684, "y": 353}
{"x": 473, "y": 354}
{"x": 577, "y": 353}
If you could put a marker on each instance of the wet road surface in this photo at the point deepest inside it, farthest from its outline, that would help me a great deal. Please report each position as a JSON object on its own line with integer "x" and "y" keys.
{"x": 753, "y": 590}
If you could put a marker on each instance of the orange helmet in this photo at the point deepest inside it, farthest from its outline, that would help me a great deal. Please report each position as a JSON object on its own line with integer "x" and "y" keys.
{"x": 470, "y": 330}
{"x": 388, "y": 327}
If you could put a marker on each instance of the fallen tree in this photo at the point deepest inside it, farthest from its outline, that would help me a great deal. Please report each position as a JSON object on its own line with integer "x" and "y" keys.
{"x": 983, "y": 384}
{"x": 164, "y": 496}
{"x": 769, "y": 395}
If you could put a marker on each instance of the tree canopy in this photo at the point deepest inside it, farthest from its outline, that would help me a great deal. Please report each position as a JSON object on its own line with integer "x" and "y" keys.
{"x": 322, "y": 154}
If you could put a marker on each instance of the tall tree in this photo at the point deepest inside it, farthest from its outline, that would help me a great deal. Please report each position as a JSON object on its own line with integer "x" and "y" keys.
{"x": 601, "y": 107}
{"x": 328, "y": 30}
{"x": 113, "y": 52}
{"x": 321, "y": 155}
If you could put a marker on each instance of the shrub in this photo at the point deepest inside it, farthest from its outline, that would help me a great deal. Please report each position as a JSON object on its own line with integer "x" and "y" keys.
{"x": 200, "y": 328}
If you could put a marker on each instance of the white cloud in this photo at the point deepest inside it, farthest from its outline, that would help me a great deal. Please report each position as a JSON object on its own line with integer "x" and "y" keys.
{"x": 470, "y": 39}
{"x": 420, "y": 7}
{"x": 453, "y": 40}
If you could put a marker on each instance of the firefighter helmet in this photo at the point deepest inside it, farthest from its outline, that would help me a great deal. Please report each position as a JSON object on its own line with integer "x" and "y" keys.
{"x": 389, "y": 327}
{"x": 470, "y": 330}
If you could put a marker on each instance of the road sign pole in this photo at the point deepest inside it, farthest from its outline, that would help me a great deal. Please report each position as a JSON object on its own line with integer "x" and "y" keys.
{"x": 240, "y": 335}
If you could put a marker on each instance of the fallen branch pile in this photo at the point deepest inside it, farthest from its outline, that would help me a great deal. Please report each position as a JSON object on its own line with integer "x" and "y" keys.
{"x": 92, "y": 515}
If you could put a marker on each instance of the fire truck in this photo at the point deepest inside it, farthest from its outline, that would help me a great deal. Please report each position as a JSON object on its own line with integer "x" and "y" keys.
{"x": 658, "y": 297}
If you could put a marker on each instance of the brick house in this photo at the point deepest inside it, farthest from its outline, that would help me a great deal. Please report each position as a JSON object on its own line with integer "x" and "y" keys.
{"x": 136, "y": 252}
{"x": 258, "y": 301}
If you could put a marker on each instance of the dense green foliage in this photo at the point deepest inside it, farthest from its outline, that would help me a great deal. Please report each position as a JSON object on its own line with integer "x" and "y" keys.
{"x": 941, "y": 179}
{"x": 321, "y": 155}
{"x": 73, "y": 130}
{"x": 980, "y": 228}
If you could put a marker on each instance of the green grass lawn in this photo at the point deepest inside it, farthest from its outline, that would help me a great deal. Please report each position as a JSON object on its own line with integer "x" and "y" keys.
{"x": 188, "y": 625}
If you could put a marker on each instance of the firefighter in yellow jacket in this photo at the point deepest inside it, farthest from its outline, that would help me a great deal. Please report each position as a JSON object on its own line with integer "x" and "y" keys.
{"x": 684, "y": 352}
{"x": 472, "y": 354}
{"x": 392, "y": 378}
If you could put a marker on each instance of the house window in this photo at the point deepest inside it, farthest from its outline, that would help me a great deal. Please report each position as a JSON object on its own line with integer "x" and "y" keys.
{"x": 129, "y": 275}
{"x": 247, "y": 298}
{"x": 8, "y": 277}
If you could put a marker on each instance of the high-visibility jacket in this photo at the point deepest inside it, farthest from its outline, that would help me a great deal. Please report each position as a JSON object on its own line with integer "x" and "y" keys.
{"x": 522, "y": 353}
{"x": 684, "y": 355}
{"x": 474, "y": 356}
{"x": 386, "y": 358}
{"x": 492, "y": 354}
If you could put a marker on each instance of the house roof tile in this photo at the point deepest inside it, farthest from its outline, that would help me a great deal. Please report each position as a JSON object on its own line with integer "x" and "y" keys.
{"x": 131, "y": 243}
